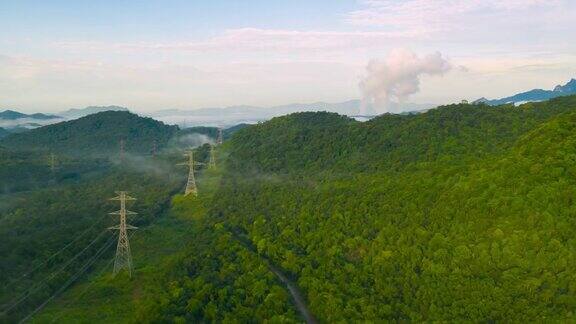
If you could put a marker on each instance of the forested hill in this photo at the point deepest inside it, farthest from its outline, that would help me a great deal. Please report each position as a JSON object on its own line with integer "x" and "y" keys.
{"x": 97, "y": 134}
{"x": 322, "y": 141}
{"x": 464, "y": 213}
{"x": 461, "y": 214}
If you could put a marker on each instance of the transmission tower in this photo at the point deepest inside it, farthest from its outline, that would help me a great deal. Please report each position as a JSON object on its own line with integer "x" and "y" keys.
{"x": 52, "y": 162}
{"x": 219, "y": 139}
{"x": 122, "y": 149}
{"x": 191, "y": 183}
{"x": 123, "y": 259}
{"x": 212, "y": 161}
{"x": 154, "y": 148}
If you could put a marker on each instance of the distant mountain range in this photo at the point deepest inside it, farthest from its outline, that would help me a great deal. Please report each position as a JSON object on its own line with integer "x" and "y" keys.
{"x": 229, "y": 116}
{"x": 534, "y": 95}
{"x": 222, "y": 117}
{"x": 13, "y": 121}
{"x": 17, "y": 122}
{"x": 14, "y": 115}
{"x": 81, "y": 112}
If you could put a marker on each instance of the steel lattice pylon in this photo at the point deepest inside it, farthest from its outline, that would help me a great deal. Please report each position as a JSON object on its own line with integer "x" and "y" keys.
{"x": 220, "y": 138}
{"x": 154, "y": 148}
{"x": 52, "y": 162}
{"x": 123, "y": 259}
{"x": 212, "y": 162}
{"x": 191, "y": 183}
{"x": 122, "y": 149}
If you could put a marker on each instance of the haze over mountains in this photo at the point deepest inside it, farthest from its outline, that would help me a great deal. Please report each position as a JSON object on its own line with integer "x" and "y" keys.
{"x": 14, "y": 115}
{"x": 534, "y": 95}
{"x": 229, "y": 116}
{"x": 218, "y": 116}
{"x": 99, "y": 134}
{"x": 95, "y": 134}
{"x": 81, "y": 112}
{"x": 13, "y": 121}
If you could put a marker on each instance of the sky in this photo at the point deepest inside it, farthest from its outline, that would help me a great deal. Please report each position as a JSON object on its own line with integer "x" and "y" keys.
{"x": 153, "y": 55}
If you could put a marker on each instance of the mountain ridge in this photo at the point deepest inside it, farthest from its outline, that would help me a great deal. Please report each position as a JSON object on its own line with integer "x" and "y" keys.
{"x": 14, "y": 115}
{"x": 96, "y": 134}
{"x": 233, "y": 115}
{"x": 533, "y": 95}
{"x": 74, "y": 113}
{"x": 379, "y": 213}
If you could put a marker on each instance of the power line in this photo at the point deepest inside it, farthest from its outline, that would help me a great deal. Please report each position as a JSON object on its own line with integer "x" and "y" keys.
{"x": 36, "y": 287}
{"x": 191, "y": 183}
{"x": 154, "y": 148}
{"x": 54, "y": 255}
{"x": 71, "y": 280}
{"x": 87, "y": 288}
{"x": 123, "y": 259}
{"x": 52, "y": 162}
{"x": 220, "y": 138}
{"x": 212, "y": 161}
{"x": 122, "y": 149}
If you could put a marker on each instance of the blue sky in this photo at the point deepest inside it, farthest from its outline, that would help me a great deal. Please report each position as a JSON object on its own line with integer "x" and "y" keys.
{"x": 167, "y": 20}
{"x": 151, "y": 55}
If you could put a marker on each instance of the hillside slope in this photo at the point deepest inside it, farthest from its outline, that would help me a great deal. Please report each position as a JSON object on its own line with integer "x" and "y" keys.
{"x": 324, "y": 141}
{"x": 53, "y": 232}
{"x": 462, "y": 213}
{"x": 98, "y": 134}
{"x": 23, "y": 171}
{"x": 187, "y": 269}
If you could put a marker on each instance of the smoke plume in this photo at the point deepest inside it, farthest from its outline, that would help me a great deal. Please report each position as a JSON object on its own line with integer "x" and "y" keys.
{"x": 395, "y": 78}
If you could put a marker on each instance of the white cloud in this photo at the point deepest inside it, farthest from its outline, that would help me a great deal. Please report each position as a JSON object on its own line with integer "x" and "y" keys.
{"x": 256, "y": 39}
{"x": 41, "y": 84}
{"x": 467, "y": 20}
{"x": 260, "y": 66}
{"x": 396, "y": 77}
{"x": 430, "y": 13}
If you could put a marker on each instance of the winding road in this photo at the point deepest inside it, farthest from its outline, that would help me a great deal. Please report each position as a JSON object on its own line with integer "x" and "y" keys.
{"x": 297, "y": 296}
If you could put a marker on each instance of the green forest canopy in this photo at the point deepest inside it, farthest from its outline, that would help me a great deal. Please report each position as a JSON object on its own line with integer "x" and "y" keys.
{"x": 95, "y": 135}
{"x": 463, "y": 213}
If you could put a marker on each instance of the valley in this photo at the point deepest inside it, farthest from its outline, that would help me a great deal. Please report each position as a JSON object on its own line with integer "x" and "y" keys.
{"x": 465, "y": 211}
{"x": 353, "y": 161}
